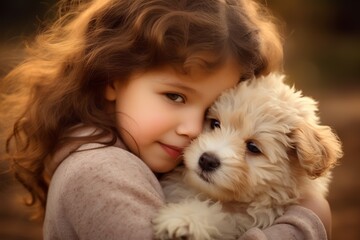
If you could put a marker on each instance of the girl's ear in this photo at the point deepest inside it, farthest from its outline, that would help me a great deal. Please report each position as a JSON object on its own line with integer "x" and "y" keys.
{"x": 318, "y": 148}
{"x": 110, "y": 92}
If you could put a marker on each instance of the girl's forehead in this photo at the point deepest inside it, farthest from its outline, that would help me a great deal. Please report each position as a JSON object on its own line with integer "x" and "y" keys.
{"x": 200, "y": 67}
{"x": 206, "y": 62}
{"x": 228, "y": 70}
{"x": 197, "y": 68}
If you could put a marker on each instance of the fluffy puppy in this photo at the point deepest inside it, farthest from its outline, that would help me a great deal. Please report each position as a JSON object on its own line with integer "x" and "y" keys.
{"x": 261, "y": 149}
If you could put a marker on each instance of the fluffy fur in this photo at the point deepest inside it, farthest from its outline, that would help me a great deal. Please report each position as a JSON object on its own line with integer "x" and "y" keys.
{"x": 261, "y": 149}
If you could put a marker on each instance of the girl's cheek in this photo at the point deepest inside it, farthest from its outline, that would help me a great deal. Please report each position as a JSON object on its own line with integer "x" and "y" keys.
{"x": 148, "y": 124}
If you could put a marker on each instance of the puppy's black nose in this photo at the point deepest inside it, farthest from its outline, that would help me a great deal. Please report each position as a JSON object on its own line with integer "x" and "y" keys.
{"x": 208, "y": 162}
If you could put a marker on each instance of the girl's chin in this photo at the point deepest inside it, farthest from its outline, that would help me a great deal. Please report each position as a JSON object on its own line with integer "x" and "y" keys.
{"x": 163, "y": 168}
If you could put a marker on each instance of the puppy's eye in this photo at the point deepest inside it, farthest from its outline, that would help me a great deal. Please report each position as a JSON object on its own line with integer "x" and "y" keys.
{"x": 214, "y": 123}
{"x": 251, "y": 146}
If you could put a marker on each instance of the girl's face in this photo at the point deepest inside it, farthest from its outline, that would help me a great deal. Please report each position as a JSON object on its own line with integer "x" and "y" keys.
{"x": 158, "y": 112}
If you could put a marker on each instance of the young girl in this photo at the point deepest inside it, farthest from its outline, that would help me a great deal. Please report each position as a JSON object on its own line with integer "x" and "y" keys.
{"x": 110, "y": 95}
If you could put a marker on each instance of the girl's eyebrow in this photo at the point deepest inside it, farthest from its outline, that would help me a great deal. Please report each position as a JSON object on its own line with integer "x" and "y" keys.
{"x": 180, "y": 86}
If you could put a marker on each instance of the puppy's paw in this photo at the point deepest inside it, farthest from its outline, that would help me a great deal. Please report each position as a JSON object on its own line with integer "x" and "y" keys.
{"x": 190, "y": 220}
{"x": 172, "y": 228}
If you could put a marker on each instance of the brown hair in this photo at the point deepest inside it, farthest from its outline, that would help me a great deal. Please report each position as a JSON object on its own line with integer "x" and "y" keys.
{"x": 62, "y": 80}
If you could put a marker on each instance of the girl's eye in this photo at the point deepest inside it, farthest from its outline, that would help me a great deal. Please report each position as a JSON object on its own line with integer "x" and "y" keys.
{"x": 251, "y": 146}
{"x": 214, "y": 123}
{"x": 175, "y": 97}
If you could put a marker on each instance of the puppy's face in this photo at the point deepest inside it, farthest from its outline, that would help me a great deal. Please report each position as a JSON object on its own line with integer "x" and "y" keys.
{"x": 259, "y": 136}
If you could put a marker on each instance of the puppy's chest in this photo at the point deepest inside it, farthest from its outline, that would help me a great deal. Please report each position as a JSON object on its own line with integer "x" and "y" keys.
{"x": 234, "y": 207}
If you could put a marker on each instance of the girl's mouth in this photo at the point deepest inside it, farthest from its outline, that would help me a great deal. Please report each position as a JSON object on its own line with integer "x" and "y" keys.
{"x": 172, "y": 151}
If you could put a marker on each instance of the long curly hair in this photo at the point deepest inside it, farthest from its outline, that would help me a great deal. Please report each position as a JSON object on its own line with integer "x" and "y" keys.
{"x": 91, "y": 43}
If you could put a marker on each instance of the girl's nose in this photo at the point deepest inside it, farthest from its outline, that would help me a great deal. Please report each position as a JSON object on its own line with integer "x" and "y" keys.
{"x": 191, "y": 126}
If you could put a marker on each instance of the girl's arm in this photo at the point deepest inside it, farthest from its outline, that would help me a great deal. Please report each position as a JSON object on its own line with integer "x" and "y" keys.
{"x": 320, "y": 206}
{"x": 311, "y": 220}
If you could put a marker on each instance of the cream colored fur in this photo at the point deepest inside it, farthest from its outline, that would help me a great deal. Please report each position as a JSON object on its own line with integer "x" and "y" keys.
{"x": 247, "y": 189}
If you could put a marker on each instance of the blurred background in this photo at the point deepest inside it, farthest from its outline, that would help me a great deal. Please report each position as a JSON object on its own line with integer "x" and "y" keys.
{"x": 322, "y": 46}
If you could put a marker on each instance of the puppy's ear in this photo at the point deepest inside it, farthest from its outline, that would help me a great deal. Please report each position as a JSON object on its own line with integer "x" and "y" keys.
{"x": 318, "y": 148}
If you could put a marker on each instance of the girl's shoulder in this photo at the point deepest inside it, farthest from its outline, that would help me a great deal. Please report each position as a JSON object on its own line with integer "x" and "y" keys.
{"x": 87, "y": 160}
{"x": 95, "y": 161}
{"x": 102, "y": 186}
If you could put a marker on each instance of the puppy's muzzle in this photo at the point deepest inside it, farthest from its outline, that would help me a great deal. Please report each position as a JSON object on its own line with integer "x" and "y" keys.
{"x": 209, "y": 162}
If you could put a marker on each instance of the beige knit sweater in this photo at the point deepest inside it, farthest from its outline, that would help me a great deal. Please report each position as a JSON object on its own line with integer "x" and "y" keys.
{"x": 109, "y": 193}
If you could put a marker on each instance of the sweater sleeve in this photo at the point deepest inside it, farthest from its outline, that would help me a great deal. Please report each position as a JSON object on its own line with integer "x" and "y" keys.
{"x": 104, "y": 193}
{"x": 297, "y": 223}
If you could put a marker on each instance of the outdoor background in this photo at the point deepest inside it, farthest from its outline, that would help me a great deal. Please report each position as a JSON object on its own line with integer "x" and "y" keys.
{"x": 322, "y": 58}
